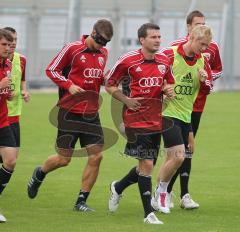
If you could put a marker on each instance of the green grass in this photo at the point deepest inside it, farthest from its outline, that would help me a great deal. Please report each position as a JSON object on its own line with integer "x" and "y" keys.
{"x": 214, "y": 181}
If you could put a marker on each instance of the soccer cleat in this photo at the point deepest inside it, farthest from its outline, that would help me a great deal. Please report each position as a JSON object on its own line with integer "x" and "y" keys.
{"x": 169, "y": 200}
{"x": 114, "y": 198}
{"x": 159, "y": 203}
{"x": 152, "y": 219}
{"x": 83, "y": 207}
{"x": 2, "y": 218}
{"x": 33, "y": 184}
{"x": 188, "y": 203}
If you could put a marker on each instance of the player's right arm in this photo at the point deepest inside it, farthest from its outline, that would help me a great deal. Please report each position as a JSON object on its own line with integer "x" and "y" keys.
{"x": 116, "y": 75}
{"x": 168, "y": 86}
{"x": 54, "y": 69}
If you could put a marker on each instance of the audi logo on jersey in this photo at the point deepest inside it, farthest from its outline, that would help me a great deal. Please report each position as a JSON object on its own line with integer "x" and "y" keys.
{"x": 92, "y": 73}
{"x": 7, "y": 89}
{"x": 4, "y": 91}
{"x": 183, "y": 89}
{"x": 150, "y": 82}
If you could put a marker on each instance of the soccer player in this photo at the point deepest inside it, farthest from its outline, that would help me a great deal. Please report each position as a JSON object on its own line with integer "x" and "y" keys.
{"x": 8, "y": 148}
{"x": 213, "y": 56}
{"x": 192, "y": 75}
{"x": 86, "y": 59}
{"x": 18, "y": 85}
{"x": 145, "y": 74}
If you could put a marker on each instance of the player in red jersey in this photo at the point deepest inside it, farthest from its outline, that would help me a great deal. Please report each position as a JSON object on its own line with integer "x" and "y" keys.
{"x": 213, "y": 56}
{"x": 7, "y": 142}
{"x": 18, "y": 84}
{"x": 86, "y": 59}
{"x": 145, "y": 74}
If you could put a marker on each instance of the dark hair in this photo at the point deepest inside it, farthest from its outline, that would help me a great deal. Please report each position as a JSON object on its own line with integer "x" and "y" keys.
{"x": 104, "y": 26}
{"x": 192, "y": 15}
{"x": 11, "y": 29}
{"x": 6, "y": 34}
{"x": 142, "y": 31}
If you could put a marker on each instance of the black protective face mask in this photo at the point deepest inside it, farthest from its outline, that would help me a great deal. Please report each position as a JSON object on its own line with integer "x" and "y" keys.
{"x": 100, "y": 39}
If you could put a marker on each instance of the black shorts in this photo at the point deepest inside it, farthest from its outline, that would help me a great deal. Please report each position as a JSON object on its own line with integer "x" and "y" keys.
{"x": 195, "y": 121}
{"x": 15, "y": 127}
{"x": 7, "y": 137}
{"x": 176, "y": 135}
{"x": 145, "y": 145}
{"x": 72, "y": 127}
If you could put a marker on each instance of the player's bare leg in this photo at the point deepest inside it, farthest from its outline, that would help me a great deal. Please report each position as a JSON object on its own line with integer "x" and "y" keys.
{"x": 174, "y": 159}
{"x": 89, "y": 177}
{"x": 52, "y": 163}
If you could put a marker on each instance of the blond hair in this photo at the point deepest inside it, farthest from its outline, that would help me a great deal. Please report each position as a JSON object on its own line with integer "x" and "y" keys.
{"x": 202, "y": 31}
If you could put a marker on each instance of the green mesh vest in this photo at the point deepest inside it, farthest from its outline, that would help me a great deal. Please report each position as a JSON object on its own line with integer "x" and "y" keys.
{"x": 186, "y": 87}
{"x": 15, "y": 105}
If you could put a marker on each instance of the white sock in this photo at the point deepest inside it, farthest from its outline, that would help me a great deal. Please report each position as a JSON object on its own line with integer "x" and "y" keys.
{"x": 162, "y": 187}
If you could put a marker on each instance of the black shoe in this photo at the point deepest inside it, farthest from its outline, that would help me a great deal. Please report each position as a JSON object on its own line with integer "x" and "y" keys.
{"x": 33, "y": 184}
{"x": 83, "y": 207}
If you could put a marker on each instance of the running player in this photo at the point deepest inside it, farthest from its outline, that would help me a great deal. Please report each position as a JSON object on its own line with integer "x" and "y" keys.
{"x": 213, "y": 56}
{"x": 8, "y": 148}
{"x": 86, "y": 59}
{"x": 148, "y": 75}
{"x": 18, "y": 84}
{"x": 192, "y": 74}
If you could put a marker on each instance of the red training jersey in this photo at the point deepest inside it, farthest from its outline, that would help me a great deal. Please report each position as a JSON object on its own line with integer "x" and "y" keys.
{"x": 86, "y": 71}
{"x": 213, "y": 56}
{"x": 5, "y": 69}
{"x": 143, "y": 79}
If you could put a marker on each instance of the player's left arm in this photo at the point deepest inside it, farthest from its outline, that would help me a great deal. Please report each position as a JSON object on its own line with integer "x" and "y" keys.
{"x": 105, "y": 74}
{"x": 168, "y": 82}
{"x": 216, "y": 64}
{"x": 24, "y": 92}
{"x": 205, "y": 77}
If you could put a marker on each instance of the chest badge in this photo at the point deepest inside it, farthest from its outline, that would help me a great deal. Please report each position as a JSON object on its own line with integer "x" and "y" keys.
{"x": 207, "y": 55}
{"x": 162, "y": 68}
{"x": 101, "y": 61}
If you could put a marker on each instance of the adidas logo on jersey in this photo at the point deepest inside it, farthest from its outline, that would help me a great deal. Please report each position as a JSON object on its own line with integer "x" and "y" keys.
{"x": 138, "y": 69}
{"x": 187, "y": 78}
{"x": 83, "y": 58}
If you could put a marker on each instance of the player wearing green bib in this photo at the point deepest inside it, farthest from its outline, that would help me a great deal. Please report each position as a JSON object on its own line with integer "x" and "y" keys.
{"x": 186, "y": 87}
{"x": 212, "y": 53}
{"x": 18, "y": 86}
{"x": 192, "y": 74}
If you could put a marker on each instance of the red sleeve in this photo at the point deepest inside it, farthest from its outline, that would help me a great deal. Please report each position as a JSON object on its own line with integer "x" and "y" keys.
{"x": 216, "y": 64}
{"x": 206, "y": 86}
{"x": 117, "y": 74}
{"x": 23, "y": 66}
{"x": 54, "y": 69}
{"x": 169, "y": 76}
{"x": 169, "y": 53}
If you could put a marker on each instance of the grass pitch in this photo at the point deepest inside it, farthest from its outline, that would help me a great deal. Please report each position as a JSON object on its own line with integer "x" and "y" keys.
{"x": 214, "y": 181}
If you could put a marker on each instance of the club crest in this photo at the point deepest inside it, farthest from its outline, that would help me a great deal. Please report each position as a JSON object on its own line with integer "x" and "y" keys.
{"x": 101, "y": 61}
{"x": 207, "y": 55}
{"x": 162, "y": 68}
